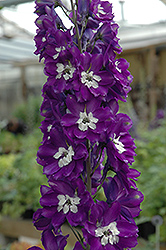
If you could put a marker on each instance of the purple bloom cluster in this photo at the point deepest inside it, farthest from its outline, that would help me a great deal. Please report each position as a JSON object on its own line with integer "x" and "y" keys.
{"x": 85, "y": 138}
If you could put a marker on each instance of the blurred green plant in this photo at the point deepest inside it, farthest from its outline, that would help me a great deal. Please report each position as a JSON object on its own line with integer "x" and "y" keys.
{"x": 21, "y": 177}
{"x": 29, "y": 112}
{"x": 145, "y": 245}
{"x": 151, "y": 162}
{"x": 9, "y": 143}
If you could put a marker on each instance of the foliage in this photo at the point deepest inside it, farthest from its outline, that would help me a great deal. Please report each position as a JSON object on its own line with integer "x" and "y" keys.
{"x": 151, "y": 161}
{"x": 9, "y": 143}
{"x": 28, "y": 112}
{"x": 144, "y": 245}
{"x": 20, "y": 177}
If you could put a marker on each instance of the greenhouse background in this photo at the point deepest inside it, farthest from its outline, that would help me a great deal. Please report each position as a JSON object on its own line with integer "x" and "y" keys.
{"x": 21, "y": 80}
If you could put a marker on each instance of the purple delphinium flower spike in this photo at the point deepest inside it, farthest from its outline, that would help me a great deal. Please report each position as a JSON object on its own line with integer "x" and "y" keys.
{"x": 84, "y": 135}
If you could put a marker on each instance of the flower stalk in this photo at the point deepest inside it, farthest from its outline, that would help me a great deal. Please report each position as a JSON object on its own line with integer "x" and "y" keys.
{"x": 76, "y": 25}
{"x": 98, "y": 163}
{"x": 88, "y": 167}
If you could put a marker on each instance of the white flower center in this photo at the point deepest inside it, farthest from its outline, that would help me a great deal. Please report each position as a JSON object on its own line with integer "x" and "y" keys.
{"x": 67, "y": 71}
{"x": 100, "y": 10}
{"x": 59, "y": 49}
{"x": 116, "y": 64}
{"x": 49, "y": 128}
{"x": 68, "y": 203}
{"x": 86, "y": 121}
{"x": 43, "y": 39}
{"x": 118, "y": 144}
{"x": 65, "y": 156}
{"x": 108, "y": 234}
{"x": 90, "y": 80}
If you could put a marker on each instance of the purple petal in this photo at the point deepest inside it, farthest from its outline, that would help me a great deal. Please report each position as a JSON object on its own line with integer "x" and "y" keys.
{"x": 46, "y": 150}
{"x": 69, "y": 120}
{"x": 127, "y": 242}
{"x": 58, "y": 219}
{"x": 90, "y": 227}
{"x": 50, "y": 169}
{"x": 85, "y": 93}
{"x": 80, "y": 134}
{"x": 80, "y": 152}
{"x": 102, "y": 113}
{"x": 96, "y": 66}
{"x": 58, "y": 138}
{"x": 49, "y": 199}
{"x": 74, "y": 106}
{"x": 93, "y": 105}
{"x": 78, "y": 246}
{"x": 112, "y": 213}
{"x": 85, "y": 60}
{"x": 127, "y": 229}
{"x": 52, "y": 242}
{"x": 95, "y": 243}
{"x": 61, "y": 187}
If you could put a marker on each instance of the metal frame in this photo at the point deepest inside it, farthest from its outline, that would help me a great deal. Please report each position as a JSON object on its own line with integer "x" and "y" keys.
{"x": 164, "y": 1}
{"x": 8, "y": 3}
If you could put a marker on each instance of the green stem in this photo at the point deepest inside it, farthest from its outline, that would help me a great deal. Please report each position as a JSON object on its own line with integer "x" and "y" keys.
{"x": 76, "y": 26}
{"x": 82, "y": 179}
{"x": 88, "y": 171}
{"x": 88, "y": 247}
{"x": 88, "y": 167}
{"x": 98, "y": 162}
{"x": 93, "y": 46}
{"x": 83, "y": 28}
{"x": 65, "y": 12}
{"x": 98, "y": 189}
{"x": 74, "y": 232}
{"x": 77, "y": 237}
{"x": 77, "y": 8}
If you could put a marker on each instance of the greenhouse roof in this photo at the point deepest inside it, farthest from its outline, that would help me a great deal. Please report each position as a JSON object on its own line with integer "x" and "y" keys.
{"x": 135, "y": 37}
{"x": 7, "y": 3}
{"x": 16, "y": 44}
{"x": 16, "y": 49}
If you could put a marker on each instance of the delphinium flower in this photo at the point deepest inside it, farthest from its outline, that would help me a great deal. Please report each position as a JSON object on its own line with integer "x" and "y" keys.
{"x": 106, "y": 231}
{"x": 61, "y": 157}
{"x": 86, "y": 119}
{"x": 62, "y": 200}
{"x": 129, "y": 201}
{"x": 86, "y": 146}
